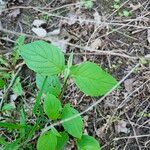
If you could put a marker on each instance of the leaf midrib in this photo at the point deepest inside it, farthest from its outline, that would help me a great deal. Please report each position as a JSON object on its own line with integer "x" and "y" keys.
{"x": 87, "y": 78}
{"x": 48, "y": 60}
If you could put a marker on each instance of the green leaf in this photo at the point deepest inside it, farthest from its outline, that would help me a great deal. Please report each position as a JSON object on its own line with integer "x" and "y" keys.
{"x": 3, "y": 141}
{"x": 47, "y": 141}
{"x": 52, "y": 84}
{"x": 43, "y": 58}
{"x": 62, "y": 141}
{"x": 11, "y": 125}
{"x": 12, "y": 146}
{"x": 143, "y": 61}
{"x": 73, "y": 126}
{"x": 126, "y": 13}
{"x": 3, "y": 61}
{"x": 4, "y": 75}
{"x": 117, "y": 1}
{"x": 20, "y": 41}
{"x": 52, "y": 106}
{"x": 116, "y": 6}
{"x": 2, "y": 83}
{"x": 32, "y": 129}
{"x": 55, "y": 132}
{"x": 8, "y": 107}
{"x": 15, "y": 53}
{"x": 22, "y": 122}
{"x": 17, "y": 88}
{"x": 91, "y": 79}
{"x": 88, "y": 143}
{"x": 88, "y": 4}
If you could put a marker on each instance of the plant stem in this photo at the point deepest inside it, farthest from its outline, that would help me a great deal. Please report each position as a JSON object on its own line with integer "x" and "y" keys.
{"x": 37, "y": 103}
{"x": 63, "y": 88}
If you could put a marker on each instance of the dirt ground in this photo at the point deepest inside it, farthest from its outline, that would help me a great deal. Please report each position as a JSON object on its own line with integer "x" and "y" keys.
{"x": 116, "y": 39}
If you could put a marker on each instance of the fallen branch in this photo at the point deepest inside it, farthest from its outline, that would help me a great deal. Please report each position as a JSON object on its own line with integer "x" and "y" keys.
{"x": 131, "y": 137}
{"x": 88, "y": 49}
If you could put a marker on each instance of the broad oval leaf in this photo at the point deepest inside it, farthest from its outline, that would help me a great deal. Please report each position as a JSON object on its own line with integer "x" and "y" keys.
{"x": 88, "y": 143}
{"x": 62, "y": 141}
{"x": 52, "y": 84}
{"x": 55, "y": 132}
{"x": 47, "y": 141}
{"x": 52, "y": 106}
{"x": 43, "y": 58}
{"x": 73, "y": 126}
{"x": 91, "y": 79}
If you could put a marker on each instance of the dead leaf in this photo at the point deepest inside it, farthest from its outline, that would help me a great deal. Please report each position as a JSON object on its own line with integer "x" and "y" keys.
{"x": 13, "y": 97}
{"x": 54, "y": 32}
{"x": 1, "y": 27}
{"x": 38, "y": 23}
{"x": 82, "y": 19}
{"x": 148, "y": 35}
{"x": 121, "y": 127}
{"x": 97, "y": 18}
{"x": 62, "y": 44}
{"x": 38, "y": 27}
{"x": 147, "y": 57}
{"x": 2, "y": 2}
{"x": 14, "y": 13}
{"x": 129, "y": 85}
{"x": 12, "y": 103}
{"x": 135, "y": 7}
{"x": 39, "y": 32}
{"x": 101, "y": 131}
{"x": 2, "y": 5}
{"x": 109, "y": 103}
{"x": 77, "y": 59}
{"x": 1, "y": 94}
{"x": 20, "y": 1}
{"x": 96, "y": 44}
{"x": 72, "y": 18}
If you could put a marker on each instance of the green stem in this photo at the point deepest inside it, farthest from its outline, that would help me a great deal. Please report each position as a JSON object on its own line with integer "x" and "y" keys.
{"x": 37, "y": 103}
{"x": 64, "y": 88}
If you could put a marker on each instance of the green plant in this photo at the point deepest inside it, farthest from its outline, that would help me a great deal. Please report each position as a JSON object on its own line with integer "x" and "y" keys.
{"x": 45, "y": 17}
{"x": 49, "y": 64}
{"x": 126, "y": 13}
{"x": 117, "y": 7}
{"x": 116, "y": 4}
{"x": 4, "y": 67}
{"x": 88, "y": 4}
{"x": 7, "y": 67}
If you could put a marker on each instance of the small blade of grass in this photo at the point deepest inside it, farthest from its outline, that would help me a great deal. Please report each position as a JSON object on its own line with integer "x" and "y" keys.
{"x": 13, "y": 145}
{"x": 22, "y": 122}
{"x": 12, "y": 125}
{"x": 33, "y": 129}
